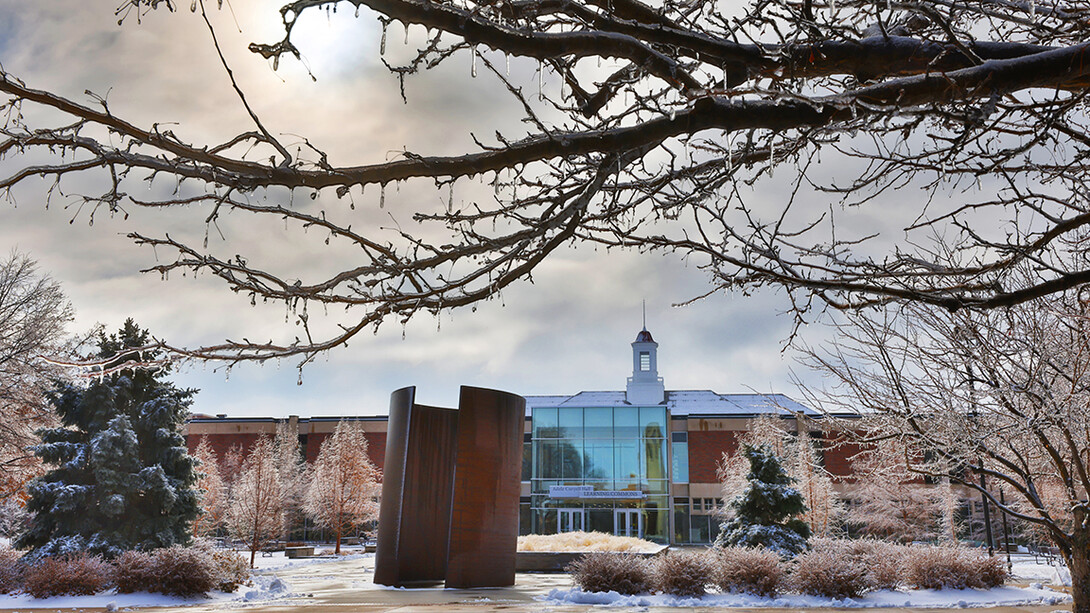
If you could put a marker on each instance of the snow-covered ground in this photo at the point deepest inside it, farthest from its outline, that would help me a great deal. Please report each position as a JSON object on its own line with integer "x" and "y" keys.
{"x": 264, "y": 586}
{"x": 274, "y": 577}
{"x": 1024, "y": 569}
{"x": 945, "y": 599}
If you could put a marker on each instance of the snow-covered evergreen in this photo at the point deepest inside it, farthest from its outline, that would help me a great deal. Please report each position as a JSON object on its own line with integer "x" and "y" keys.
{"x": 766, "y": 512}
{"x": 120, "y": 476}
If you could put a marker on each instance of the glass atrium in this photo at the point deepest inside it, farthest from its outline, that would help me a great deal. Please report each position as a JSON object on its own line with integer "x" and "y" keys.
{"x": 598, "y": 468}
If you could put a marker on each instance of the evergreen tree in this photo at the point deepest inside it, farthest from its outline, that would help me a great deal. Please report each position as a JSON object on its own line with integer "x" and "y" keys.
{"x": 121, "y": 477}
{"x": 766, "y": 512}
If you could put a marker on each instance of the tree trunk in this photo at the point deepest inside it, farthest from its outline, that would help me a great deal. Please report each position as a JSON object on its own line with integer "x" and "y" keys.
{"x": 254, "y": 542}
{"x": 337, "y": 549}
{"x": 1079, "y": 563}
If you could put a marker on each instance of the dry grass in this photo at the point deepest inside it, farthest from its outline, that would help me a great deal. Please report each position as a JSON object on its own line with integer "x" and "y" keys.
{"x": 747, "y": 570}
{"x": 602, "y": 571}
{"x": 584, "y": 541}
{"x": 829, "y": 572}
{"x": 953, "y": 567}
{"x": 682, "y": 573}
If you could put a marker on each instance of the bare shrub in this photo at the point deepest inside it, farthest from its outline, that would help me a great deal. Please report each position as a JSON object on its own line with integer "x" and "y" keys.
{"x": 993, "y": 572}
{"x": 883, "y": 560}
{"x": 67, "y": 576}
{"x": 749, "y": 570}
{"x": 231, "y": 569}
{"x": 827, "y": 571}
{"x": 682, "y": 573}
{"x": 183, "y": 571}
{"x": 11, "y": 570}
{"x": 134, "y": 571}
{"x": 600, "y": 571}
{"x": 952, "y": 567}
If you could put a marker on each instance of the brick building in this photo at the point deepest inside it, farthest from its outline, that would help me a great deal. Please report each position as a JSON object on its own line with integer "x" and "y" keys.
{"x": 639, "y": 461}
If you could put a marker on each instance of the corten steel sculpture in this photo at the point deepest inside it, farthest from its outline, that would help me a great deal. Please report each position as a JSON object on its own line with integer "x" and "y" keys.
{"x": 450, "y": 491}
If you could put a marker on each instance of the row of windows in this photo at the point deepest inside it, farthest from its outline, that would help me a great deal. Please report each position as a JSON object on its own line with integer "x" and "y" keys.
{"x": 599, "y": 423}
{"x": 600, "y": 459}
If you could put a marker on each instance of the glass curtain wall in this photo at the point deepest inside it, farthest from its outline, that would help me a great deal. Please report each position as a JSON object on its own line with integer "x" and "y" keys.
{"x": 611, "y": 449}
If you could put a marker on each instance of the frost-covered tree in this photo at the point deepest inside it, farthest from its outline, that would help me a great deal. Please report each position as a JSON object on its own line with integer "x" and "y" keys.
{"x": 891, "y": 502}
{"x": 996, "y": 402}
{"x": 291, "y": 469}
{"x": 815, "y": 483}
{"x": 256, "y": 512}
{"x": 120, "y": 475}
{"x": 344, "y": 486}
{"x": 766, "y": 512}
{"x": 652, "y": 126}
{"x": 211, "y": 488}
{"x": 33, "y": 316}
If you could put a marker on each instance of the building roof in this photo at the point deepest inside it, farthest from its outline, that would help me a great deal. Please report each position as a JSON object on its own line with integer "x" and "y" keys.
{"x": 644, "y": 337}
{"x": 684, "y": 403}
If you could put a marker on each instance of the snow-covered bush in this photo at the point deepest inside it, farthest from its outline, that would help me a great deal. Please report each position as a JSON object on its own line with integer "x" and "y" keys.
{"x": 993, "y": 572}
{"x": 11, "y": 570}
{"x": 749, "y": 570}
{"x": 184, "y": 571}
{"x": 952, "y": 567}
{"x": 828, "y": 572}
{"x": 231, "y": 569}
{"x": 611, "y": 572}
{"x": 134, "y": 571}
{"x": 883, "y": 560}
{"x": 178, "y": 571}
{"x": 67, "y": 576}
{"x": 682, "y": 573}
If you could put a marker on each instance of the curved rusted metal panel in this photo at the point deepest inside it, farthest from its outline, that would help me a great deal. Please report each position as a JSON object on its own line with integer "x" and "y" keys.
{"x": 414, "y": 513}
{"x": 484, "y": 516}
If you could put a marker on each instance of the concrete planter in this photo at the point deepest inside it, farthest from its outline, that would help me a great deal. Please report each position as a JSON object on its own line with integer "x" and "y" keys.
{"x": 556, "y": 561}
{"x": 299, "y": 552}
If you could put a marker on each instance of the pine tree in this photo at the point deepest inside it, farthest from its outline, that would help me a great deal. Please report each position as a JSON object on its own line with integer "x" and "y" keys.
{"x": 800, "y": 454}
{"x": 766, "y": 512}
{"x": 121, "y": 477}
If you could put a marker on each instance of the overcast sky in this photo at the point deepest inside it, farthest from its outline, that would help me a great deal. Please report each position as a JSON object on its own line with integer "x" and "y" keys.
{"x": 567, "y": 332}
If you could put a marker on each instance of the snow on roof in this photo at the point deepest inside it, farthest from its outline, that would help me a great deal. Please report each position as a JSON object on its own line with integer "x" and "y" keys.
{"x": 683, "y": 403}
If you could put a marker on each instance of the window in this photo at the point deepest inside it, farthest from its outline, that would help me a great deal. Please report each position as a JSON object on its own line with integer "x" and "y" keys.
{"x": 679, "y": 448}
{"x": 709, "y": 504}
{"x": 645, "y": 361}
{"x": 527, "y": 457}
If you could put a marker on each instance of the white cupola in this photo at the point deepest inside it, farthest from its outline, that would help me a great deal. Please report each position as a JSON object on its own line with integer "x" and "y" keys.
{"x": 645, "y": 386}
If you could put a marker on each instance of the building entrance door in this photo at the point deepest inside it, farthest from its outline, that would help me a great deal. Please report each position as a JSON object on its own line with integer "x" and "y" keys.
{"x": 573, "y": 520}
{"x": 628, "y": 522}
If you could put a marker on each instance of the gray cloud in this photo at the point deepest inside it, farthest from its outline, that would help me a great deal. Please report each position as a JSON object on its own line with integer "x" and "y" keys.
{"x": 567, "y": 332}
